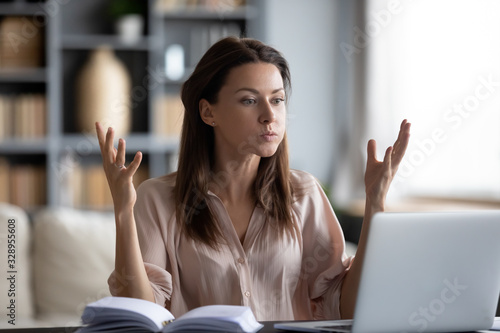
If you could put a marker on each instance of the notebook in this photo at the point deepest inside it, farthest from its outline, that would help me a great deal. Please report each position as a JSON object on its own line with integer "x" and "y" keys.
{"x": 425, "y": 272}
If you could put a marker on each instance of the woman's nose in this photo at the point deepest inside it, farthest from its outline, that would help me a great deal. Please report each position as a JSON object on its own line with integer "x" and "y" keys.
{"x": 268, "y": 114}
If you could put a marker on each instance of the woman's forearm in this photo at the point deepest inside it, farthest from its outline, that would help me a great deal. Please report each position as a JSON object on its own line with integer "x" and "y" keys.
{"x": 350, "y": 285}
{"x": 132, "y": 278}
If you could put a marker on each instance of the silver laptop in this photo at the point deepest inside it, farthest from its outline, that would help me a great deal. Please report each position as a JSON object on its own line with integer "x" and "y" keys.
{"x": 425, "y": 272}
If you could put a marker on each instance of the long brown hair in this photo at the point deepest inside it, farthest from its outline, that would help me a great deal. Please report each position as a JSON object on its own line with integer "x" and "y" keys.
{"x": 272, "y": 190}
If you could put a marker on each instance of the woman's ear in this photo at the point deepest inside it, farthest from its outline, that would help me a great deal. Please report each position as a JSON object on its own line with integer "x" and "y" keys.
{"x": 206, "y": 112}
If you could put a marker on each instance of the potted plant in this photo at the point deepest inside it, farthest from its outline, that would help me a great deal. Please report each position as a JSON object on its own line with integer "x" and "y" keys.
{"x": 128, "y": 18}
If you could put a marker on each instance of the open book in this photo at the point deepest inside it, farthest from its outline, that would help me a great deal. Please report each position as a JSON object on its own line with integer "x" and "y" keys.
{"x": 123, "y": 314}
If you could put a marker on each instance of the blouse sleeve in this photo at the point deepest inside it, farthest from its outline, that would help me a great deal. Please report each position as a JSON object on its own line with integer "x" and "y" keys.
{"x": 324, "y": 261}
{"x": 153, "y": 247}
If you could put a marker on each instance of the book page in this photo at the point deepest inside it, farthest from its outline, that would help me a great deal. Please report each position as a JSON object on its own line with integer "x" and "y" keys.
{"x": 129, "y": 310}
{"x": 232, "y": 318}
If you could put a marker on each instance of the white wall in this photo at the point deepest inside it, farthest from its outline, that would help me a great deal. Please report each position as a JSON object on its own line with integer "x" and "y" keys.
{"x": 304, "y": 32}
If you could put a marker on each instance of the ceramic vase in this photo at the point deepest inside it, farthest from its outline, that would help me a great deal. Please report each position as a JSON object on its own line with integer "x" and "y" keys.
{"x": 103, "y": 93}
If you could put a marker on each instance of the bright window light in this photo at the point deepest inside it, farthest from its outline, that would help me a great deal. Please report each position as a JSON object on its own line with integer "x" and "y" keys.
{"x": 437, "y": 63}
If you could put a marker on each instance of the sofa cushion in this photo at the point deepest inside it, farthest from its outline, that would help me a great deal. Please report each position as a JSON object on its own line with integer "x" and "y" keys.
{"x": 73, "y": 258}
{"x": 16, "y": 300}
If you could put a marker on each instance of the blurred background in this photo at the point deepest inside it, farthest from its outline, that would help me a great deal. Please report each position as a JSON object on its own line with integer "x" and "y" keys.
{"x": 359, "y": 67}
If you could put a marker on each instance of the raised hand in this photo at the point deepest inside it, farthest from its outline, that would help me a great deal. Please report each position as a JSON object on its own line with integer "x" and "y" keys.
{"x": 379, "y": 174}
{"x": 118, "y": 175}
{"x": 378, "y": 178}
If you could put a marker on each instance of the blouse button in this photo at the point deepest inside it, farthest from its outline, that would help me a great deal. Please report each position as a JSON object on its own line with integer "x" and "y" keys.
{"x": 247, "y": 293}
{"x": 241, "y": 260}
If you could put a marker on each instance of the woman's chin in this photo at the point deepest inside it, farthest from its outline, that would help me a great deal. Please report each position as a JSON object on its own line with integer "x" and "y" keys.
{"x": 261, "y": 150}
{"x": 267, "y": 152}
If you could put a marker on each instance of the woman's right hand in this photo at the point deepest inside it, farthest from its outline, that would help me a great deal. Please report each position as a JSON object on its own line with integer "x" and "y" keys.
{"x": 118, "y": 175}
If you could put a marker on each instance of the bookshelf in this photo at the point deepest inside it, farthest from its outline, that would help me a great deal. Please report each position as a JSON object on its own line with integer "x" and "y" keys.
{"x": 46, "y": 158}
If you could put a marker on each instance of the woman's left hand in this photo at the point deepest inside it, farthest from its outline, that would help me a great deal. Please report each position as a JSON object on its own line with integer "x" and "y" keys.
{"x": 379, "y": 174}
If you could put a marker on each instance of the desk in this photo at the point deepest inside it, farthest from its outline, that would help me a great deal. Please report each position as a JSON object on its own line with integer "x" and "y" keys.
{"x": 268, "y": 328}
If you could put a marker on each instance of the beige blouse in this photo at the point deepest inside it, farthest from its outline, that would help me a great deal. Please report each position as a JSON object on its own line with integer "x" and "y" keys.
{"x": 289, "y": 278}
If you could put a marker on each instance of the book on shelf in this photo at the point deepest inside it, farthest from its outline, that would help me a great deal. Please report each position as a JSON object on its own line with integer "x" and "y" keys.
{"x": 122, "y": 314}
{"x": 27, "y": 185}
{"x": 22, "y": 116}
{"x": 168, "y": 115}
{"x": 202, "y": 37}
{"x": 22, "y": 184}
{"x": 6, "y": 114}
{"x": 167, "y": 6}
{"x": 4, "y": 180}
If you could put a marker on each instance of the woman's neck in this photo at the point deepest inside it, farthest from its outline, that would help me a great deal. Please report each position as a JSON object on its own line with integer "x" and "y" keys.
{"x": 233, "y": 180}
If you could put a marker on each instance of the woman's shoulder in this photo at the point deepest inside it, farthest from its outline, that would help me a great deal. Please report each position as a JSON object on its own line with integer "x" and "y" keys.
{"x": 302, "y": 179}
{"x": 306, "y": 187}
{"x": 309, "y": 198}
{"x": 167, "y": 180}
{"x": 155, "y": 204}
{"x": 160, "y": 187}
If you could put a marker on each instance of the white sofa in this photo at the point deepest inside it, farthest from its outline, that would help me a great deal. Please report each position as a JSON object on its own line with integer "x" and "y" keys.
{"x": 63, "y": 258}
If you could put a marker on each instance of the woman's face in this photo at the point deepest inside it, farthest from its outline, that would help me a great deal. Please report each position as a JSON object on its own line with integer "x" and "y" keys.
{"x": 250, "y": 112}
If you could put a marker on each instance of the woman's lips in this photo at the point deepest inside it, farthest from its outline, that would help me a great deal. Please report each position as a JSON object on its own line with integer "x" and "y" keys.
{"x": 269, "y": 136}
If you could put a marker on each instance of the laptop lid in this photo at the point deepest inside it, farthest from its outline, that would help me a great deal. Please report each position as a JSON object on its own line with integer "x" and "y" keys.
{"x": 428, "y": 272}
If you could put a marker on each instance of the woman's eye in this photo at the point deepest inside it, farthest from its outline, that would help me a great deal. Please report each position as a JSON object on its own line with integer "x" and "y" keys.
{"x": 249, "y": 101}
{"x": 278, "y": 101}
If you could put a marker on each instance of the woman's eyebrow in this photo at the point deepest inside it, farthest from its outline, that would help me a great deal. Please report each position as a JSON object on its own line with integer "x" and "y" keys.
{"x": 255, "y": 91}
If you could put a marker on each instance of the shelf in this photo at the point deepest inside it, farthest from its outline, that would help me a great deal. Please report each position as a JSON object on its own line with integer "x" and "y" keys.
{"x": 90, "y": 42}
{"x": 201, "y": 13}
{"x": 21, "y": 9}
{"x": 23, "y": 146}
{"x": 145, "y": 143}
{"x": 70, "y": 35}
{"x": 23, "y": 75}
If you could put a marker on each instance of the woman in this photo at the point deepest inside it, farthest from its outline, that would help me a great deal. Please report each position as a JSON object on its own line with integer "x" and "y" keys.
{"x": 234, "y": 225}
